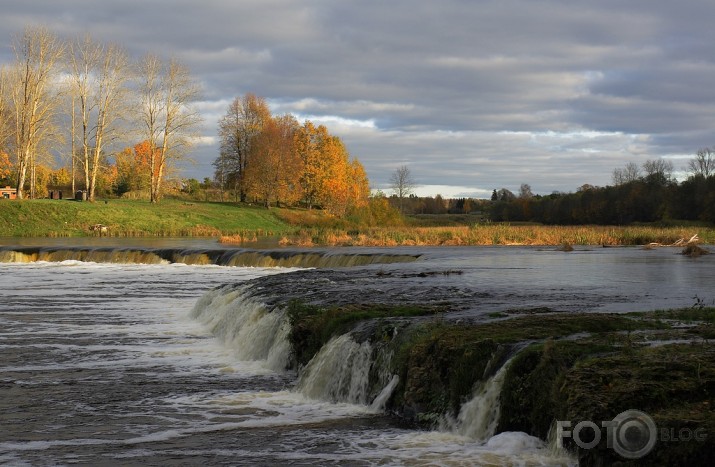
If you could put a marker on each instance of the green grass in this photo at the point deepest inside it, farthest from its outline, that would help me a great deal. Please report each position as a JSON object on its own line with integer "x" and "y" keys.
{"x": 125, "y": 218}
{"x": 302, "y": 227}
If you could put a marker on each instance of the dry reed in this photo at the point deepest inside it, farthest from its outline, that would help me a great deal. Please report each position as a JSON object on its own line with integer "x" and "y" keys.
{"x": 495, "y": 234}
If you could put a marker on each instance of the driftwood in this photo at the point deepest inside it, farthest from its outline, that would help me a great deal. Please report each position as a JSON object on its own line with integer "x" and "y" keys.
{"x": 680, "y": 242}
{"x": 690, "y": 247}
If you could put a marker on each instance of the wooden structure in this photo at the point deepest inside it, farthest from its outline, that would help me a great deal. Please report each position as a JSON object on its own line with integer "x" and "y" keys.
{"x": 8, "y": 193}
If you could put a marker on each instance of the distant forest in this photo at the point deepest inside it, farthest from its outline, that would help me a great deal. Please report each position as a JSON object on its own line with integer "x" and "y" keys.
{"x": 648, "y": 196}
{"x": 638, "y": 194}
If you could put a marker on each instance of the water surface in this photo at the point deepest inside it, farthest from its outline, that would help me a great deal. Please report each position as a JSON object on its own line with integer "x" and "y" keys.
{"x": 101, "y": 364}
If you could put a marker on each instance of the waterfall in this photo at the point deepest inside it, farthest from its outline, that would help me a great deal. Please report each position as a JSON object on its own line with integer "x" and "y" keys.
{"x": 342, "y": 371}
{"x": 378, "y": 405}
{"x": 245, "y": 325}
{"x": 479, "y": 416}
{"x": 220, "y": 257}
{"x": 339, "y": 372}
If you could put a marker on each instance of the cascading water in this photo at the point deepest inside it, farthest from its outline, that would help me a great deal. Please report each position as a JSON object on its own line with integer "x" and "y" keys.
{"x": 220, "y": 257}
{"x": 351, "y": 370}
{"x": 478, "y": 417}
{"x": 339, "y": 372}
{"x": 378, "y": 405}
{"x": 245, "y": 325}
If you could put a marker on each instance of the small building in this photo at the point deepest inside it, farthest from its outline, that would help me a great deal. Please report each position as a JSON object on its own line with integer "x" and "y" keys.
{"x": 8, "y": 193}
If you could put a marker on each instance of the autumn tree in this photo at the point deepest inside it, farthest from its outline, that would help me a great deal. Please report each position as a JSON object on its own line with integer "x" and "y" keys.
{"x": 272, "y": 175}
{"x": 332, "y": 187}
{"x": 329, "y": 178}
{"x": 169, "y": 120}
{"x": 132, "y": 165}
{"x": 276, "y": 160}
{"x": 59, "y": 178}
{"x": 307, "y": 143}
{"x": 344, "y": 184}
{"x": 359, "y": 184}
{"x": 238, "y": 130}
{"x": 33, "y": 98}
{"x": 6, "y": 169}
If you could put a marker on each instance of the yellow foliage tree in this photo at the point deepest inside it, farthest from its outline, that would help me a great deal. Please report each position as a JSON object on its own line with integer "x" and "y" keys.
{"x": 280, "y": 161}
{"x": 307, "y": 147}
{"x": 328, "y": 177}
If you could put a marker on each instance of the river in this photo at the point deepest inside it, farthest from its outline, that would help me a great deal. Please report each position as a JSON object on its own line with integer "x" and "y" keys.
{"x": 103, "y": 364}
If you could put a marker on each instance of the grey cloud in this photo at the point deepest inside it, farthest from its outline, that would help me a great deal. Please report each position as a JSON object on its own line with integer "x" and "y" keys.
{"x": 467, "y": 92}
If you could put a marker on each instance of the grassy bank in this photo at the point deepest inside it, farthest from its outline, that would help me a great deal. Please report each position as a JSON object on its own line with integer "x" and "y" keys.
{"x": 126, "y": 218}
{"x": 299, "y": 227}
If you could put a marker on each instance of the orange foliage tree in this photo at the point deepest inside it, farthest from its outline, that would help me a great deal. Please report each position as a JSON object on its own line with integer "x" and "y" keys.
{"x": 133, "y": 169}
{"x": 7, "y": 169}
{"x": 276, "y": 160}
{"x": 272, "y": 175}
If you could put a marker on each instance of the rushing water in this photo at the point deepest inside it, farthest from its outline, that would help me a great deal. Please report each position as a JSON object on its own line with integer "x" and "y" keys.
{"x": 131, "y": 364}
{"x": 101, "y": 364}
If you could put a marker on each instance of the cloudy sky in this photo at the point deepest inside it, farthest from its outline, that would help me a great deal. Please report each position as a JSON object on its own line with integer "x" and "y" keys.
{"x": 471, "y": 95}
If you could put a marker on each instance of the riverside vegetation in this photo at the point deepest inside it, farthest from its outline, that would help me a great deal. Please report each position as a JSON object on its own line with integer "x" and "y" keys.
{"x": 376, "y": 224}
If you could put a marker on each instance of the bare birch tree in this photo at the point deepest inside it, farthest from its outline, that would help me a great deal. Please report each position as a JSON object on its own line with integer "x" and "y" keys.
{"x": 99, "y": 76}
{"x": 169, "y": 121}
{"x": 33, "y": 97}
{"x": 112, "y": 76}
{"x": 84, "y": 58}
{"x": 402, "y": 183}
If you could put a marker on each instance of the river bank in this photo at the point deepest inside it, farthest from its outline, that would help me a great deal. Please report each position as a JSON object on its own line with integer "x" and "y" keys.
{"x": 256, "y": 227}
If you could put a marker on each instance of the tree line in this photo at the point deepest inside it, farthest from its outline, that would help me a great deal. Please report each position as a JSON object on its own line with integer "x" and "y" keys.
{"x": 83, "y": 98}
{"x": 648, "y": 193}
{"x": 275, "y": 160}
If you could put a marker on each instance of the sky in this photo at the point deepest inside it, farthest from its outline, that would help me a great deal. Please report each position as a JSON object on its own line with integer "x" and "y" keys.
{"x": 470, "y": 95}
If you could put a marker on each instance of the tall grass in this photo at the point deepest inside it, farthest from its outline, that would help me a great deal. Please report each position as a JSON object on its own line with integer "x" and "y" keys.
{"x": 495, "y": 234}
